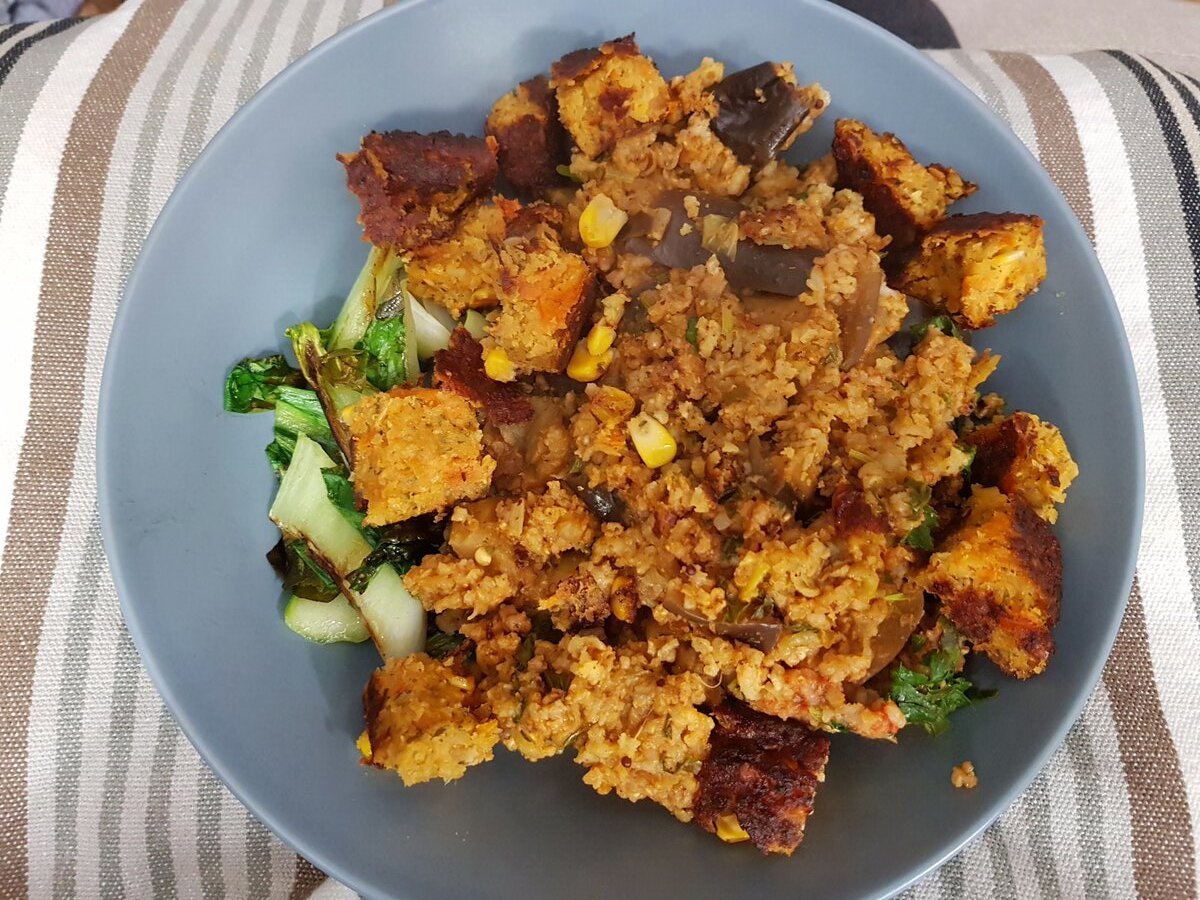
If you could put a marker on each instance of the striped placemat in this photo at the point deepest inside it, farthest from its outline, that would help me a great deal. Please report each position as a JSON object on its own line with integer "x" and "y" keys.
{"x": 100, "y": 795}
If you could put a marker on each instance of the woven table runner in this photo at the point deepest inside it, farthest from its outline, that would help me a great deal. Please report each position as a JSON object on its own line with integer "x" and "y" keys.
{"x": 101, "y": 795}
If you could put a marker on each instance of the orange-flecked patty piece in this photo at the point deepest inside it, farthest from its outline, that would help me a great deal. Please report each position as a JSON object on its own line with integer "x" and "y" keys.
{"x": 1025, "y": 456}
{"x": 547, "y": 300}
{"x": 416, "y": 451}
{"x": 977, "y": 267}
{"x": 905, "y": 197}
{"x": 999, "y": 577}
{"x": 411, "y": 185}
{"x": 607, "y": 92}
{"x": 761, "y": 776}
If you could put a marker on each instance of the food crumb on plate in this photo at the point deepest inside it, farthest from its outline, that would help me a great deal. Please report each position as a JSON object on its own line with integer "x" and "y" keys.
{"x": 963, "y": 775}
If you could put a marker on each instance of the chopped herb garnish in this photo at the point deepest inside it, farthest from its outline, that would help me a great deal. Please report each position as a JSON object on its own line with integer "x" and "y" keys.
{"x": 576, "y": 467}
{"x": 692, "y": 334}
{"x": 917, "y": 641}
{"x": 966, "y": 469}
{"x": 896, "y": 597}
{"x": 943, "y": 323}
{"x": 920, "y": 497}
{"x": 929, "y": 699}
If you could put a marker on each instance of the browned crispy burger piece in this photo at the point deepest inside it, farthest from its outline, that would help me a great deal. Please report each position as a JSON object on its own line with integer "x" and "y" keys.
{"x": 607, "y": 92}
{"x": 410, "y": 185}
{"x": 905, "y": 197}
{"x": 977, "y": 267}
{"x": 424, "y": 720}
{"x": 416, "y": 451}
{"x": 531, "y": 140}
{"x": 462, "y": 271}
{"x": 760, "y": 778}
{"x": 999, "y": 577}
{"x": 547, "y": 298}
{"x": 1024, "y": 456}
{"x": 459, "y": 368}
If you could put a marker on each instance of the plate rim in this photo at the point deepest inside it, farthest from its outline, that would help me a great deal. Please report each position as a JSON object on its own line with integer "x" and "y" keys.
{"x": 208, "y": 749}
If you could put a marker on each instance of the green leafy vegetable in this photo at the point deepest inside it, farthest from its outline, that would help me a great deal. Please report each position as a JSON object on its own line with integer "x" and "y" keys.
{"x": 929, "y": 699}
{"x": 943, "y": 323}
{"x": 386, "y": 343}
{"x": 300, "y": 573}
{"x": 401, "y": 554}
{"x": 254, "y": 384}
{"x": 297, "y": 411}
{"x": 920, "y": 497}
{"x": 693, "y": 334}
{"x": 341, "y": 494}
{"x": 376, "y": 281}
{"x": 336, "y": 377}
{"x": 439, "y": 644}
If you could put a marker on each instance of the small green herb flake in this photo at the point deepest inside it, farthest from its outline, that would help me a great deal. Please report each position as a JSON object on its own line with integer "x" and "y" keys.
{"x": 565, "y": 171}
{"x": 253, "y": 384}
{"x": 944, "y": 324}
{"x": 929, "y": 699}
{"x": 896, "y": 597}
{"x": 576, "y": 467}
{"x": 920, "y": 497}
{"x": 966, "y": 469}
{"x": 692, "y": 334}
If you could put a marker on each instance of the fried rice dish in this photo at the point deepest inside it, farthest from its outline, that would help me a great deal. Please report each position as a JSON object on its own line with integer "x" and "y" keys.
{"x": 637, "y": 442}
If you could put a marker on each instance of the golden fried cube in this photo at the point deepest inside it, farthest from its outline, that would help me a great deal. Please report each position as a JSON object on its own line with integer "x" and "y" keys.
{"x": 977, "y": 267}
{"x": 416, "y": 451}
{"x": 905, "y": 197}
{"x": 547, "y": 299}
{"x": 608, "y": 92}
{"x": 999, "y": 577}
{"x": 1026, "y": 457}
{"x": 530, "y": 138}
{"x": 424, "y": 720}
{"x": 463, "y": 271}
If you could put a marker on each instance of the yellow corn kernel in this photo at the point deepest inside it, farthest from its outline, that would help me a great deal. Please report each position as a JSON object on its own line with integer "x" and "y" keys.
{"x": 364, "y": 745}
{"x": 585, "y": 366}
{"x": 652, "y": 441}
{"x": 498, "y": 365}
{"x": 758, "y": 572}
{"x": 730, "y": 830}
{"x": 600, "y": 339}
{"x": 601, "y": 221}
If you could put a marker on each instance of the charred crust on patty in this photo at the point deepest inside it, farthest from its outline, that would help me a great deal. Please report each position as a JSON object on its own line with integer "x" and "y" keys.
{"x": 410, "y": 185}
{"x": 765, "y": 772}
{"x": 531, "y": 140}
{"x": 459, "y": 368}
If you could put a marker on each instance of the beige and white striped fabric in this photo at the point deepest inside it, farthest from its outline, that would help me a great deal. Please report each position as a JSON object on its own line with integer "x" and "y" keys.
{"x": 100, "y": 795}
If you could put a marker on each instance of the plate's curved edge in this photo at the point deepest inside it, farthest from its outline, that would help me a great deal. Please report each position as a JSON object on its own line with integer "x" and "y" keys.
{"x": 104, "y": 457}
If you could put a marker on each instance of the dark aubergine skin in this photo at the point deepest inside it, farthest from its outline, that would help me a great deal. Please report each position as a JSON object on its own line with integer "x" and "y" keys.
{"x": 758, "y": 113}
{"x": 754, "y": 267}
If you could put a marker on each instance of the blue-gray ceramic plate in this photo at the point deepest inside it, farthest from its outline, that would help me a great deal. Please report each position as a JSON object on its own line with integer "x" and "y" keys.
{"x": 261, "y": 233}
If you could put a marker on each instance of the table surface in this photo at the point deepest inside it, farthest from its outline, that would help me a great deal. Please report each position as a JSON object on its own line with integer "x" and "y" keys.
{"x": 101, "y": 794}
